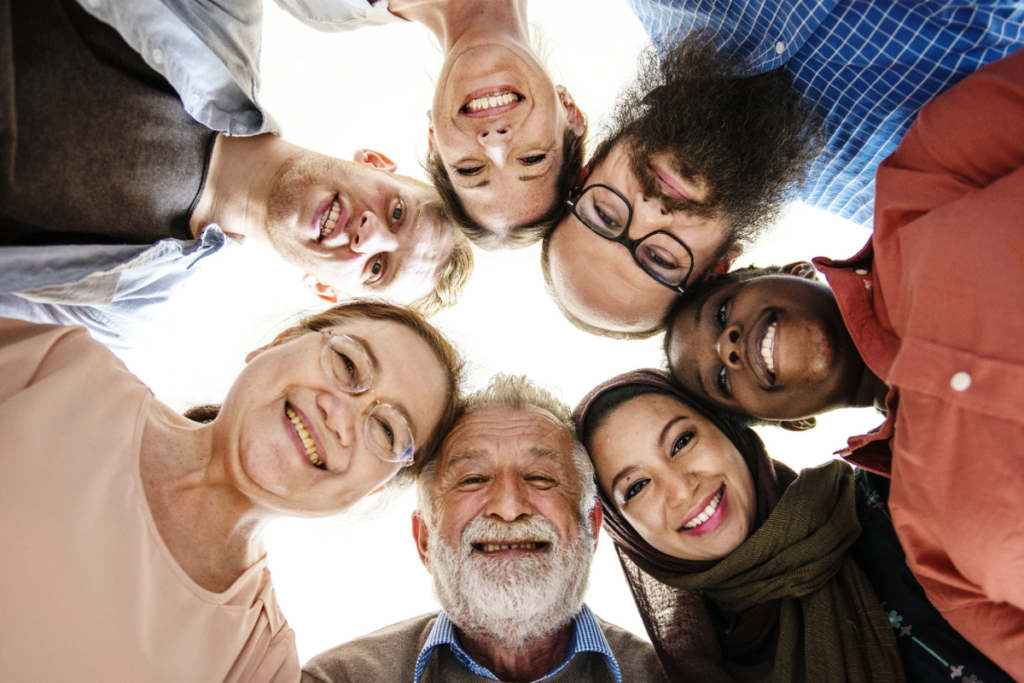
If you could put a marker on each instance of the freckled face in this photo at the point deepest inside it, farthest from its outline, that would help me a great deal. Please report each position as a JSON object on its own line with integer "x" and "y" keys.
{"x": 774, "y": 347}
{"x": 675, "y": 477}
{"x": 283, "y": 397}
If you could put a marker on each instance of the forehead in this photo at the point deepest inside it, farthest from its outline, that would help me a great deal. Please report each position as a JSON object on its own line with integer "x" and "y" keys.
{"x": 502, "y": 436}
{"x": 425, "y": 251}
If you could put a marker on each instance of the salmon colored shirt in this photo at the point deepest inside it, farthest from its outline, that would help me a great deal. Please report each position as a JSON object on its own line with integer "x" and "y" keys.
{"x": 89, "y": 591}
{"x": 935, "y": 305}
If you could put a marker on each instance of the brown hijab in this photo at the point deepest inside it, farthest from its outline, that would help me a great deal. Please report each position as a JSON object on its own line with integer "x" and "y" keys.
{"x": 733, "y": 620}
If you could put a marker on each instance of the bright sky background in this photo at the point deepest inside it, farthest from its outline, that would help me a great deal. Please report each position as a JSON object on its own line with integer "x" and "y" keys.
{"x": 336, "y": 92}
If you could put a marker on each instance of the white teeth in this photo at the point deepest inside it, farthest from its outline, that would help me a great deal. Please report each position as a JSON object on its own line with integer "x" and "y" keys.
{"x": 768, "y": 347}
{"x": 307, "y": 441}
{"x": 706, "y": 513}
{"x": 491, "y": 101}
{"x": 493, "y": 547}
{"x": 330, "y": 219}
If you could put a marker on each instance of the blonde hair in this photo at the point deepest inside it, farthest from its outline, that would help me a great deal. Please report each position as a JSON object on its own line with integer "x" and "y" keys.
{"x": 452, "y": 280}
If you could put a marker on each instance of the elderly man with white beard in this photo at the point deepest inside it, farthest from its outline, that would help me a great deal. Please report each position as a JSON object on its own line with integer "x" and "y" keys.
{"x": 507, "y": 527}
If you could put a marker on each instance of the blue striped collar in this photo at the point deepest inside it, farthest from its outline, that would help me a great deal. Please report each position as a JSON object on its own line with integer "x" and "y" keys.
{"x": 586, "y": 637}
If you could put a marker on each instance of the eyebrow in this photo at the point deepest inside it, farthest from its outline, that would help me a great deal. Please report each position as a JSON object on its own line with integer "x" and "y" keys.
{"x": 622, "y": 475}
{"x": 668, "y": 426}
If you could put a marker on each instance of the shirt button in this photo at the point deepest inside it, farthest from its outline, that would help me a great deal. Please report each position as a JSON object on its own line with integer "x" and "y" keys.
{"x": 193, "y": 99}
{"x": 861, "y": 271}
{"x": 780, "y": 47}
{"x": 93, "y": 3}
{"x": 960, "y": 381}
{"x": 158, "y": 56}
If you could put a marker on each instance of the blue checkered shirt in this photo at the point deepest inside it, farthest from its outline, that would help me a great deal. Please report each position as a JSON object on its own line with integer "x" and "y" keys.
{"x": 869, "y": 65}
{"x": 586, "y": 637}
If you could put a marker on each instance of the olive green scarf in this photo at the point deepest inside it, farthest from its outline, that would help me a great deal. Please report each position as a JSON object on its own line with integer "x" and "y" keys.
{"x": 832, "y": 628}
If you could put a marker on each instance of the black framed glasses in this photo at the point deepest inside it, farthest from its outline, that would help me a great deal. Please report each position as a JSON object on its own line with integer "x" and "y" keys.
{"x": 661, "y": 255}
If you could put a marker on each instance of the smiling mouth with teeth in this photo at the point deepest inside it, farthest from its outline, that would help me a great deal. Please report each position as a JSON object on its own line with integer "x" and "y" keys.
{"x": 706, "y": 513}
{"x": 486, "y": 547}
{"x": 768, "y": 349}
{"x": 330, "y": 219}
{"x": 492, "y": 101}
{"x": 307, "y": 440}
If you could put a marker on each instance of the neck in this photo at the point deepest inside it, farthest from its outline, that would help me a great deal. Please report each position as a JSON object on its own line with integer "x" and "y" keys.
{"x": 533, "y": 660}
{"x": 238, "y": 183}
{"x": 210, "y": 528}
{"x": 457, "y": 21}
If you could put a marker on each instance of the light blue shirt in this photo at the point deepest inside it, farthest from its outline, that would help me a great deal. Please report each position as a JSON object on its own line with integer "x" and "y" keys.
{"x": 210, "y": 51}
{"x": 870, "y": 65}
{"x": 112, "y": 290}
{"x": 586, "y": 637}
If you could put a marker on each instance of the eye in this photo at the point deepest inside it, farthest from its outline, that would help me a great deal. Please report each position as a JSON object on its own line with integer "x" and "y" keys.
{"x": 470, "y": 170}
{"x": 681, "y": 442}
{"x": 720, "y": 315}
{"x": 387, "y": 432}
{"x": 396, "y": 214}
{"x": 375, "y": 271}
{"x": 536, "y": 159}
{"x": 349, "y": 368}
{"x": 723, "y": 387}
{"x": 635, "y": 488}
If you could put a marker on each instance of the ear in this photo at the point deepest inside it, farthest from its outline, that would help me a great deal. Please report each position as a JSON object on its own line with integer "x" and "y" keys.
{"x": 801, "y": 425}
{"x": 287, "y": 335}
{"x": 325, "y": 292}
{"x": 420, "y": 531}
{"x": 725, "y": 265}
{"x": 596, "y": 517}
{"x": 577, "y": 119}
{"x": 375, "y": 159}
{"x": 800, "y": 269}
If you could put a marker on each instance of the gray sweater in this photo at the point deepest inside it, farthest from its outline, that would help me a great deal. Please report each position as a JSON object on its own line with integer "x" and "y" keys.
{"x": 389, "y": 655}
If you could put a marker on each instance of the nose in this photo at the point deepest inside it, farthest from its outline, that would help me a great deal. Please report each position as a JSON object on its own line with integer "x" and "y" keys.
{"x": 495, "y": 139}
{"x": 372, "y": 235}
{"x": 346, "y": 413}
{"x": 681, "y": 490}
{"x": 728, "y": 347}
{"x": 649, "y": 215}
{"x": 509, "y": 499}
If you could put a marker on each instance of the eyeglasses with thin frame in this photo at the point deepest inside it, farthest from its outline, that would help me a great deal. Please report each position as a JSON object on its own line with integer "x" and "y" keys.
{"x": 661, "y": 255}
{"x": 347, "y": 365}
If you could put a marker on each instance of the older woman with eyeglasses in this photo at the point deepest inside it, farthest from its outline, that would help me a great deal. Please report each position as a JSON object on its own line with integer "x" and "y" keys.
{"x": 131, "y": 535}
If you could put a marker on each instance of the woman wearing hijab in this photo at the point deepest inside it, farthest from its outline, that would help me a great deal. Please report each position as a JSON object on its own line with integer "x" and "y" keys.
{"x": 130, "y": 536}
{"x": 743, "y": 570}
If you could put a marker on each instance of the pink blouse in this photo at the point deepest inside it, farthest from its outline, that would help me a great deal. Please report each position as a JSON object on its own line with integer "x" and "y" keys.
{"x": 88, "y": 590}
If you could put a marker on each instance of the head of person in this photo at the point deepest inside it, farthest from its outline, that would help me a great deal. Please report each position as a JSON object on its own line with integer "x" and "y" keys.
{"x": 335, "y": 407}
{"x": 505, "y": 143}
{"x": 699, "y": 158}
{"x": 358, "y": 229}
{"x": 507, "y": 520}
{"x": 769, "y": 343}
{"x": 678, "y": 483}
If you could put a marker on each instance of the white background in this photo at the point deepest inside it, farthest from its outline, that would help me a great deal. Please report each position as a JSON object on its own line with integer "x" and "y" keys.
{"x": 340, "y": 578}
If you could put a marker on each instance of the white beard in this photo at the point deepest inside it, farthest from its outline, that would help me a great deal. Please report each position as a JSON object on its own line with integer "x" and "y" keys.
{"x": 511, "y": 599}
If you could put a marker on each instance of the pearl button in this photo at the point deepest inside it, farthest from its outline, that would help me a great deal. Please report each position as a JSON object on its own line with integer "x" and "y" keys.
{"x": 158, "y": 56}
{"x": 960, "y": 381}
{"x": 861, "y": 271}
{"x": 780, "y": 47}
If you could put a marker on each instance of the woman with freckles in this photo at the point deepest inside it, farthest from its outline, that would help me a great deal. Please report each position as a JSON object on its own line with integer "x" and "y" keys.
{"x": 131, "y": 536}
{"x": 742, "y": 569}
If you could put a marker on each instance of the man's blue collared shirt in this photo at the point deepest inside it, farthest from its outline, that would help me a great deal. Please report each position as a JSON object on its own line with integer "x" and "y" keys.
{"x": 869, "y": 65}
{"x": 586, "y": 637}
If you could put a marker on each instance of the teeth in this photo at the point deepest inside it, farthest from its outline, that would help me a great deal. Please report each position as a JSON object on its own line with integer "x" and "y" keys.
{"x": 330, "y": 219}
{"x": 493, "y": 547}
{"x": 768, "y": 347}
{"x": 706, "y": 513}
{"x": 492, "y": 101}
{"x": 307, "y": 440}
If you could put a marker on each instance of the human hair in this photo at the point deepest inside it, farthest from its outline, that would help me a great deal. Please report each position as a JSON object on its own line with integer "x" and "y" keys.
{"x": 445, "y": 353}
{"x": 604, "y": 405}
{"x": 452, "y": 279}
{"x": 573, "y": 152}
{"x": 518, "y": 393}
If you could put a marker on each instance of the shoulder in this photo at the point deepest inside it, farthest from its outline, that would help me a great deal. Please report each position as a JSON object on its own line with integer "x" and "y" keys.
{"x": 636, "y": 656}
{"x": 385, "y": 655}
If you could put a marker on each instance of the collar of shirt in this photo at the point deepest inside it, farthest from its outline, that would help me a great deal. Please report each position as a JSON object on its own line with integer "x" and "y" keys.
{"x": 586, "y": 637}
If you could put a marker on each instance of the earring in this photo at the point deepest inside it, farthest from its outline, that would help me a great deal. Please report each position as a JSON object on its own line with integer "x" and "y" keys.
{"x": 560, "y": 89}
{"x": 428, "y": 114}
